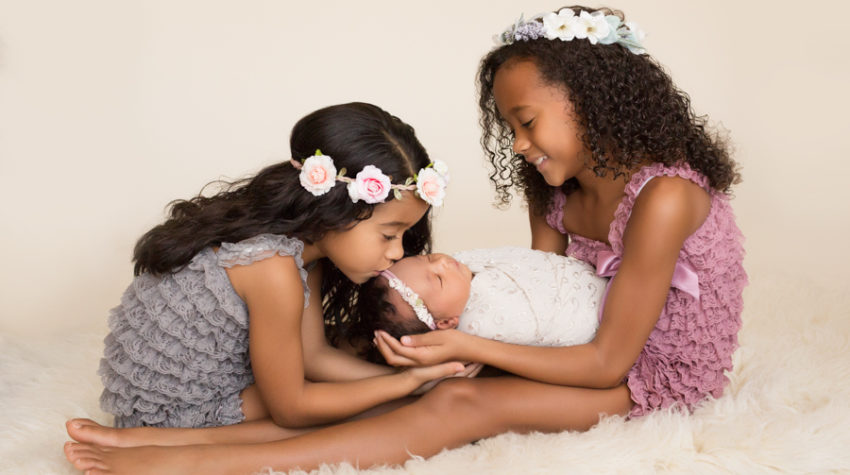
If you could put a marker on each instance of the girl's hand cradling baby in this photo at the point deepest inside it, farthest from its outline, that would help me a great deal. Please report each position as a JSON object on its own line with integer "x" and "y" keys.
{"x": 470, "y": 370}
{"x": 422, "y": 350}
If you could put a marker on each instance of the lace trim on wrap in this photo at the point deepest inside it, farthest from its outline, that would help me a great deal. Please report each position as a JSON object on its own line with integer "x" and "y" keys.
{"x": 262, "y": 247}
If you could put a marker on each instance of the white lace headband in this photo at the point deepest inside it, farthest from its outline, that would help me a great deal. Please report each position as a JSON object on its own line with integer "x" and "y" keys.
{"x": 318, "y": 175}
{"x": 411, "y": 298}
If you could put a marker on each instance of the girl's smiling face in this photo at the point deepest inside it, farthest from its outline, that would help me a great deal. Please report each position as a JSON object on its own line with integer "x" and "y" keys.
{"x": 442, "y": 282}
{"x": 542, "y": 119}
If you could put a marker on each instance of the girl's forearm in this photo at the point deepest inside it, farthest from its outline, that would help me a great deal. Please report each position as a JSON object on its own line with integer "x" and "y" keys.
{"x": 322, "y": 403}
{"x": 332, "y": 364}
{"x": 580, "y": 365}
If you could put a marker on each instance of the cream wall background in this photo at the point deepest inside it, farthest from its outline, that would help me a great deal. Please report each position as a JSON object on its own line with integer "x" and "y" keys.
{"x": 108, "y": 110}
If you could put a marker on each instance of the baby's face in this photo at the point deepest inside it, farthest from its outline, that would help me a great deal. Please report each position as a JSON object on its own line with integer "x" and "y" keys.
{"x": 442, "y": 282}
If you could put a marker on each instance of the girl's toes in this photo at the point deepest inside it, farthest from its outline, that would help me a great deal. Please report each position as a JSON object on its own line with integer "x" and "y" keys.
{"x": 75, "y": 451}
{"x": 70, "y": 448}
{"x": 88, "y": 464}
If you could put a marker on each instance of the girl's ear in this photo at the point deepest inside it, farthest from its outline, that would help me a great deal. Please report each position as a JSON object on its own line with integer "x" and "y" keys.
{"x": 447, "y": 323}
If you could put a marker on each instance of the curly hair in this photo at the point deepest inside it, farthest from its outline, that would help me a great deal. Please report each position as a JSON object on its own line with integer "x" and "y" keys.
{"x": 273, "y": 201}
{"x": 627, "y": 108}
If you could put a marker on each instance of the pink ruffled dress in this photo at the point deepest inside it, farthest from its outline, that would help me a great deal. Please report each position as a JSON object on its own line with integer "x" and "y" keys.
{"x": 691, "y": 346}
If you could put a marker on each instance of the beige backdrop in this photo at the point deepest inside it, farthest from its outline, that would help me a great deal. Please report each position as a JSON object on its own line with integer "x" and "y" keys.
{"x": 109, "y": 109}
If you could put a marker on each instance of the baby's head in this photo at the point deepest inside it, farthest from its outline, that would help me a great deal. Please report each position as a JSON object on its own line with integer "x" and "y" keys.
{"x": 421, "y": 293}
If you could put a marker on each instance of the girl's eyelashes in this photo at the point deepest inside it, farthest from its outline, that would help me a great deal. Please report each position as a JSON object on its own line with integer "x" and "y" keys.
{"x": 527, "y": 124}
{"x": 390, "y": 238}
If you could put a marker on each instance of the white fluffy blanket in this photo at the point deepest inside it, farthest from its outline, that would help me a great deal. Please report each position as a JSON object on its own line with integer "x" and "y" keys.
{"x": 786, "y": 410}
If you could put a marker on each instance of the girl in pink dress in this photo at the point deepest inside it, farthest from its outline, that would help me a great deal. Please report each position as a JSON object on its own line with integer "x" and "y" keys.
{"x": 618, "y": 171}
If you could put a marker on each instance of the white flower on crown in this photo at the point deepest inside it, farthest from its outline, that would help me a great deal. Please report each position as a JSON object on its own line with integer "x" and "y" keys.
{"x": 318, "y": 174}
{"x": 370, "y": 185}
{"x": 442, "y": 168}
{"x": 431, "y": 186}
{"x": 566, "y": 25}
{"x": 592, "y": 26}
{"x": 562, "y": 25}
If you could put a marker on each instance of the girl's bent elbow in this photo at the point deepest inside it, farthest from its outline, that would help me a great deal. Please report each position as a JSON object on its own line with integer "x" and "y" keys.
{"x": 611, "y": 373}
{"x": 290, "y": 419}
{"x": 611, "y": 380}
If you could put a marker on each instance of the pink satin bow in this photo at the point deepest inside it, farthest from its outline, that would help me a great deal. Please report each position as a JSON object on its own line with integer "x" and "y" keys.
{"x": 685, "y": 277}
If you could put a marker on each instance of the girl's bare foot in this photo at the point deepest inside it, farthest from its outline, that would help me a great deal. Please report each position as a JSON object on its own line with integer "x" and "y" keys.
{"x": 265, "y": 430}
{"x": 97, "y": 460}
{"x": 90, "y": 432}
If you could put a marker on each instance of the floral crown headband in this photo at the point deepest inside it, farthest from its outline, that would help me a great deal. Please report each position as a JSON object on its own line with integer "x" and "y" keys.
{"x": 596, "y": 27}
{"x": 411, "y": 298}
{"x": 319, "y": 175}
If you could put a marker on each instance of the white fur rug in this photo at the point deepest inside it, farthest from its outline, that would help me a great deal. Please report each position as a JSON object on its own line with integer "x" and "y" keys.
{"x": 787, "y": 409}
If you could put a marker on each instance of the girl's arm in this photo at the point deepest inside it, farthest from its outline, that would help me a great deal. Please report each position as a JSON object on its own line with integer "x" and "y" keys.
{"x": 273, "y": 291}
{"x": 667, "y": 211}
{"x": 543, "y": 237}
{"x": 323, "y": 362}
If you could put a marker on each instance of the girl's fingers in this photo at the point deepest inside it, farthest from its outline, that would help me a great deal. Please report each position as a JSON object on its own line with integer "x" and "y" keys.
{"x": 385, "y": 336}
{"x": 444, "y": 370}
{"x": 431, "y": 338}
{"x": 397, "y": 348}
{"x": 392, "y": 357}
{"x": 471, "y": 370}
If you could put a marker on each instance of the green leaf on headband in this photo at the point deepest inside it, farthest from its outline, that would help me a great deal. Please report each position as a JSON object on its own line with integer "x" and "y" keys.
{"x": 318, "y": 152}
{"x": 396, "y": 193}
{"x": 408, "y": 181}
{"x": 342, "y": 172}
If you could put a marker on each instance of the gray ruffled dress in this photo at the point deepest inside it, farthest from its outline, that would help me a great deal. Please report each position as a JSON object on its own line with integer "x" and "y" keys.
{"x": 177, "y": 351}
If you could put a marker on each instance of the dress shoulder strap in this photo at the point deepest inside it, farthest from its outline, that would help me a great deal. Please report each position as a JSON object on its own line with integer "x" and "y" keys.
{"x": 637, "y": 183}
{"x": 261, "y": 247}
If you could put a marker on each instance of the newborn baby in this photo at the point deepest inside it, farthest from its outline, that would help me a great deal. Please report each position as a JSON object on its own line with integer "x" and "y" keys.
{"x": 510, "y": 294}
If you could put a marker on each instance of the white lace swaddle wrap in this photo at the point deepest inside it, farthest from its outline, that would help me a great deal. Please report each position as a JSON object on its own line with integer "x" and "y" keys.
{"x": 529, "y": 297}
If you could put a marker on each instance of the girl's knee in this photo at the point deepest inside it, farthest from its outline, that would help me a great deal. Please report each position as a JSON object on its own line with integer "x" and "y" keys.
{"x": 463, "y": 403}
{"x": 454, "y": 396}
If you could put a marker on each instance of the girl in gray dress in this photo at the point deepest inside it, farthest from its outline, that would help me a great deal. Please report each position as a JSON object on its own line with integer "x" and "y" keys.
{"x": 223, "y": 321}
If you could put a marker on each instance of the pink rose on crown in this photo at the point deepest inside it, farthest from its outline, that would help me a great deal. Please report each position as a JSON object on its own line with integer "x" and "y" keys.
{"x": 318, "y": 174}
{"x": 370, "y": 185}
{"x": 431, "y": 186}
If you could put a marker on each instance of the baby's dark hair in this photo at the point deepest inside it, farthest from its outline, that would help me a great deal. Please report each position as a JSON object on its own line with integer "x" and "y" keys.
{"x": 273, "y": 201}
{"x": 627, "y": 108}
{"x": 378, "y": 313}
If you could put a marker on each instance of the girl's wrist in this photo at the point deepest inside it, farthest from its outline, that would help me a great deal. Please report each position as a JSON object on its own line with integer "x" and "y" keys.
{"x": 468, "y": 347}
{"x": 410, "y": 381}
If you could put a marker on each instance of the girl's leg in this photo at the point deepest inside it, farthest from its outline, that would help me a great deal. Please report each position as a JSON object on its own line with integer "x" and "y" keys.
{"x": 249, "y": 432}
{"x": 453, "y": 414}
{"x": 264, "y": 430}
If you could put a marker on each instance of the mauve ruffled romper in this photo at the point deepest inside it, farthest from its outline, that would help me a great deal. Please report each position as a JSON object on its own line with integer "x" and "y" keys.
{"x": 177, "y": 351}
{"x": 691, "y": 346}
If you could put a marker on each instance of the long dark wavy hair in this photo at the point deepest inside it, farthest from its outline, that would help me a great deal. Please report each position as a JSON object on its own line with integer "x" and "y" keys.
{"x": 273, "y": 201}
{"x": 627, "y": 108}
